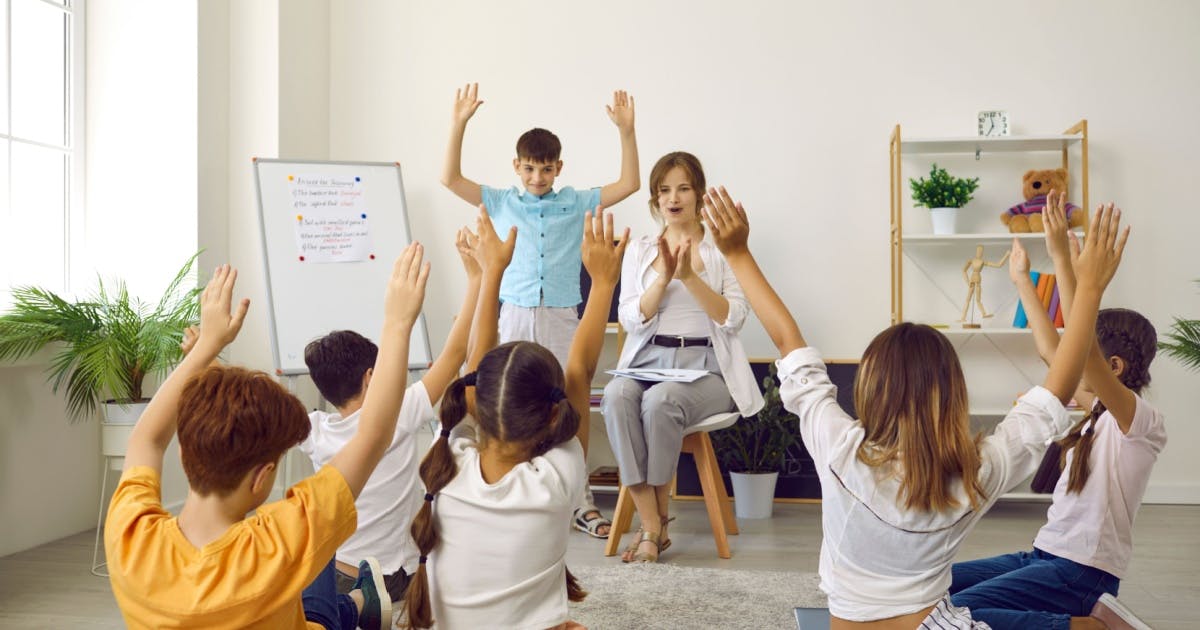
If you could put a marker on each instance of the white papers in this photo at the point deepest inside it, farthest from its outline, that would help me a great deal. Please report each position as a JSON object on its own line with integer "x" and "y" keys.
{"x": 331, "y": 219}
{"x": 660, "y": 375}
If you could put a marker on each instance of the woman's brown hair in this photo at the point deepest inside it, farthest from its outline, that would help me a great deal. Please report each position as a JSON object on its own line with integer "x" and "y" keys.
{"x": 519, "y": 399}
{"x": 911, "y": 398}
{"x": 1123, "y": 333}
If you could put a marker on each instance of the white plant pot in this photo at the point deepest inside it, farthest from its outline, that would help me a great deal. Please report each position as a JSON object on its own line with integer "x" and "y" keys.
{"x": 117, "y": 427}
{"x": 753, "y": 494}
{"x": 944, "y": 220}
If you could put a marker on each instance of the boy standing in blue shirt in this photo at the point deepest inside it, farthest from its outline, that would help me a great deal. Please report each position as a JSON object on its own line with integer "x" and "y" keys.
{"x": 540, "y": 289}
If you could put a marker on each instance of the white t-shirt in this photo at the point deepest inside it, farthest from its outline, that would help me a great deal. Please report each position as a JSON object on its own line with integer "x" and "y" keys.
{"x": 1095, "y": 526}
{"x": 879, "y": 559}
{"x": 393, "y": 494}
{"x": 500, "y": 559}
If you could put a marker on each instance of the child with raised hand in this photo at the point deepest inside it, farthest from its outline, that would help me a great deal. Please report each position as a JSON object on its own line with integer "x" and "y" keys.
{"x": 1071, "y": 576}
{"x": 492, "y": 531}
{"x": 340, "y": 364}
{"x": 540, "y": 290}
{"x": 212, "y": 566}
{"x": 903, "y": 485}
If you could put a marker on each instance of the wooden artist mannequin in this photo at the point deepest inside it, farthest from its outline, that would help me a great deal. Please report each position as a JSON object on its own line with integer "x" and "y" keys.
{"x": 975, "y": 283}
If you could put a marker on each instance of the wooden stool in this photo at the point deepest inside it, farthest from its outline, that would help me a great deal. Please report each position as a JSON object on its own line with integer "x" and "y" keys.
{"x": 716, "y": 500}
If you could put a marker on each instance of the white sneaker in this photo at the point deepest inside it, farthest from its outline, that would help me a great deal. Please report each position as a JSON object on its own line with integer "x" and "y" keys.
{"x": 1115, "y": 615}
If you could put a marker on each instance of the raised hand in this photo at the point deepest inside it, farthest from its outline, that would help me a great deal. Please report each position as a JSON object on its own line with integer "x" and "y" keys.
{"x": 727, "y": 221}
{"x": 406, "y": 288}
{"x": 1018, "y": 264}
{"x": 466, "y": 101}
{"x": 492, "y": 253}
{"x": 683, "y": 254}
{"x": 601, "y": 252}
{"x": 1054, "y": 218}
{"x": 1102, "y": 249}
{"x": 621, "y": 111}
{"x": 668, "y": 258}
{"x": 219, "y": 322}
{"x": 190, "y": 335}
{"x": 462, "y": 242}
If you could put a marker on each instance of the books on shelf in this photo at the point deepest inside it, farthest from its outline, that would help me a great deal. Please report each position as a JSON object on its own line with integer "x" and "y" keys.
{"x": 1046, "y": 285}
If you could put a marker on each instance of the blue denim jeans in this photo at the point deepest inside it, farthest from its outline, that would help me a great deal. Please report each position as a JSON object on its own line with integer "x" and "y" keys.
{"x": 1028, "y": 589}
{"x": 324, "y": 605}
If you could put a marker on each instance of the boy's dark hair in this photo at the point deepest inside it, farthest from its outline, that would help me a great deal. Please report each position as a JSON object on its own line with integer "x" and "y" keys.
{"x": 337, "y": 363}
{"x": 519, "y": 399}
{"x": 539, "y": 145}
{"x": 232, "y": 419}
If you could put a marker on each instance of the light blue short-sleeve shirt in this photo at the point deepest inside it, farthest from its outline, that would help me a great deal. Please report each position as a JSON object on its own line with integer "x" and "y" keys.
{"x": 545, "y": 267}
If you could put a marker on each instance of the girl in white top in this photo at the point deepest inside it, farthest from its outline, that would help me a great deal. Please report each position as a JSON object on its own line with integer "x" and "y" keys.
{"x": 682, "y": 308}
{"x": 492, "y": 532}
{"x": 1083, "y": 550}
{"x": 902, "y": 486}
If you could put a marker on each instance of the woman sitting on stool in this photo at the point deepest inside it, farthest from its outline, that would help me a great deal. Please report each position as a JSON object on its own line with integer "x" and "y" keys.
{"x": 682, "y": 308}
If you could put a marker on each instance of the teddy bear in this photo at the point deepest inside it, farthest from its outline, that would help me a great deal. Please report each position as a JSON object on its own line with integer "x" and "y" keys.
{"x": 1027, "y": 216}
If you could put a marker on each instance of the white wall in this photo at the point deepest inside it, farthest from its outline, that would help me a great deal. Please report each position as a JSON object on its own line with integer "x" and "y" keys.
{"x": 790, "y": 105}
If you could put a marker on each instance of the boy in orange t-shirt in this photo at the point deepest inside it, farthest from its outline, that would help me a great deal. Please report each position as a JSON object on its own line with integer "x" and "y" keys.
{"x": 212, "y": 566}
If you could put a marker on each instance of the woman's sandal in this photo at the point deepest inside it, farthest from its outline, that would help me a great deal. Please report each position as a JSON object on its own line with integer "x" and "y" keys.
{"x": 646, "y": 557}
{"x": 631, "y": 550}
{"x": 665, "y": 543}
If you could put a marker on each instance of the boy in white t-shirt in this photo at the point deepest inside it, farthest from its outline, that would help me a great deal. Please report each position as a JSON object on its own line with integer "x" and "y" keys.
{"x": 340, "y": 364}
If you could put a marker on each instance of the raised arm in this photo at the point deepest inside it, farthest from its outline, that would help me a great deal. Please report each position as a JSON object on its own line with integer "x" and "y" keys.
{"x": 493, "y": 256}
{"x": 1064, "y": 250}
{"x": 465, "y": 103}
{"x": 1044, "y": 334}
{"x": 602, "y": 259}
{"x": 1098, "y": 262}
{"x": 621, "y": 113}
{"x": 219, "y": 325}
{"x": 731, "y": 230}
{"x": 402, "y": 304}
{"x": 446, "y": 367}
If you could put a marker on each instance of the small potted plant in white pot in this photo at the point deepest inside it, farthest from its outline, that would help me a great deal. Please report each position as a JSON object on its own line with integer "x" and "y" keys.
{"x": 107, "y": 342}
{"x": 943, "y": 194}
{"x": 753, "y": 451}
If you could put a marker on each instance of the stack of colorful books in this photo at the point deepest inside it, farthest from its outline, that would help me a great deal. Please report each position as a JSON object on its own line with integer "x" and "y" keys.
{"x": 1047, "y": 291}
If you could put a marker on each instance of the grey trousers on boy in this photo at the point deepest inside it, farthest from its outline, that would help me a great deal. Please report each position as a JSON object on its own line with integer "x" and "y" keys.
{"x": 646, "y": 421}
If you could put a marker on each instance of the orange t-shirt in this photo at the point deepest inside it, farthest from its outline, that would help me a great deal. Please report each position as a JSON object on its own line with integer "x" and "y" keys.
{"x": 250, "y": 577}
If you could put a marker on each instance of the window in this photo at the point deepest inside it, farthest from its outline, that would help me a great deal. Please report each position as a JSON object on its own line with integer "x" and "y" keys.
{"x": 41, "y": 148}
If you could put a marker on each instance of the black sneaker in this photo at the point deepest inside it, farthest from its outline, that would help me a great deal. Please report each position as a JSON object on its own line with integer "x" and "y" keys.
{"x": 376, "y": 612}
{"x": 1115, "y": 615}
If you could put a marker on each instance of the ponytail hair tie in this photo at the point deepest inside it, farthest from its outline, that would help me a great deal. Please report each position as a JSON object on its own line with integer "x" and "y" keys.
{"x": 445, "y": 433}
{"x": 422, "y": 559}
{"x": 428, "y": 497}
{"x": 556, "y": 395}
{"x": 469, "y": 379}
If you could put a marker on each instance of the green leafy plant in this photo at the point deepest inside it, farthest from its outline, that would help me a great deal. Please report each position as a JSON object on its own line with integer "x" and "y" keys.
{"x": 759, "y": 444}
{"x": 942, "y": 190}
{"x": 110, "y": 341}
{"x": 1184, "y": 344}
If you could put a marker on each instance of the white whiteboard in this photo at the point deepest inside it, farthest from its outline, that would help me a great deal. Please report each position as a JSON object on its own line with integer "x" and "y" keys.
{"x": 330, "y": 233}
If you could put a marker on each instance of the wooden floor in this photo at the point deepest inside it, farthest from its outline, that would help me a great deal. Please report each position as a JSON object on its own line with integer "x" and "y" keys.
{"x": 51, "y": 587}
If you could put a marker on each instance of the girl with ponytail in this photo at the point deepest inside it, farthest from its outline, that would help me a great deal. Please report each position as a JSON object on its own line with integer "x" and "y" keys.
{"x": 1098, "y": 472}
{"x": 492, "y": 532}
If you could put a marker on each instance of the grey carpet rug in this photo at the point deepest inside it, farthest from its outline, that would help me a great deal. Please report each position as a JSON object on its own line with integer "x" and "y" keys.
{"x": 668, "y": 596}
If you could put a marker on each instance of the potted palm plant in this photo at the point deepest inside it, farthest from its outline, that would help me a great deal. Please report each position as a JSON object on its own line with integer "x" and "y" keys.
{"x": 753, "y": 451}
{"x": 107, "y": 342}
{"x": 1184, "y": 342}
{"x": 943, "y": 194}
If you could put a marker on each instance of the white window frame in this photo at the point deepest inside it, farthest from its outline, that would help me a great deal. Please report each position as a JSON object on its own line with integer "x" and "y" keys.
{"x": 73, "y": 149}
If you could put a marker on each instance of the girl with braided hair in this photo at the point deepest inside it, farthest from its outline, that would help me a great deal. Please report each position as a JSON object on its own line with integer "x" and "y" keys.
{"x": 1098, "y": 472}
{"x": 492, "y": 532}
